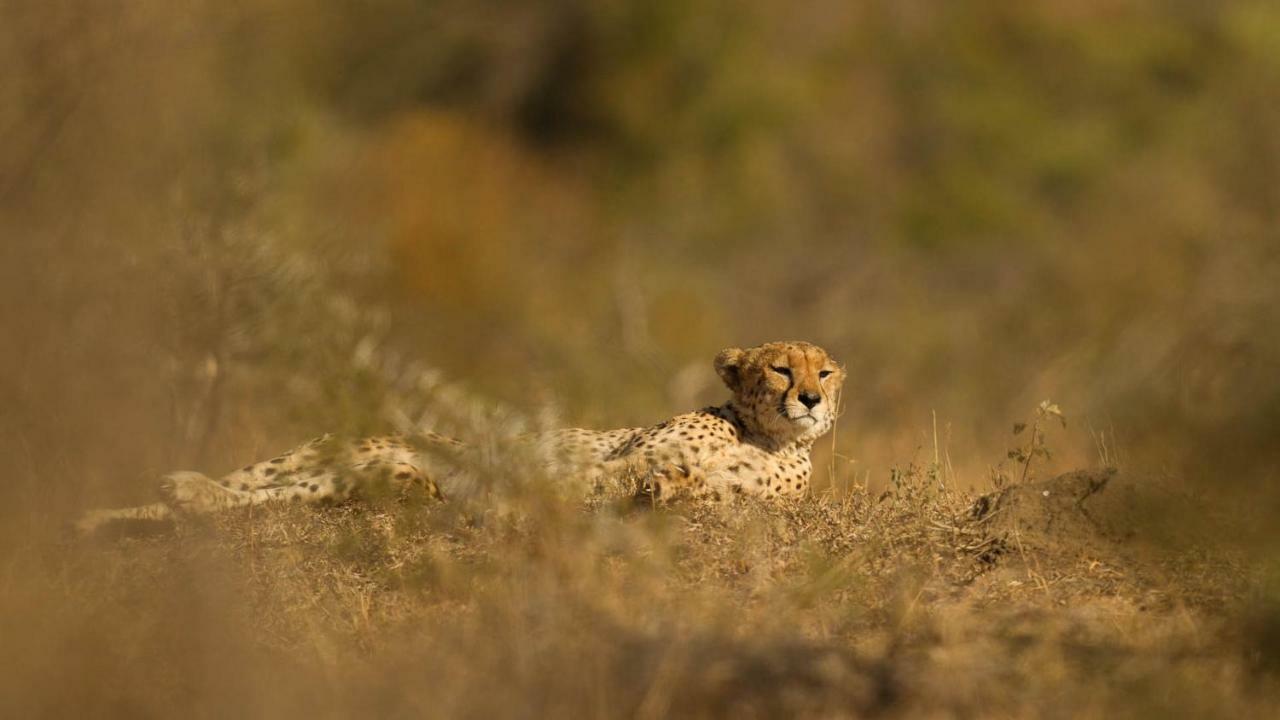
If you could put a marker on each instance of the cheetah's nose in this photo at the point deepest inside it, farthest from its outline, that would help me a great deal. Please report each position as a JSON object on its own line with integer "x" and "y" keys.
{"x": 810, "y": 399}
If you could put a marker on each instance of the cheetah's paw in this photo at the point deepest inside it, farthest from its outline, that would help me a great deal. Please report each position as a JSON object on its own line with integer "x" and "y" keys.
{"x": 191, "y": 492}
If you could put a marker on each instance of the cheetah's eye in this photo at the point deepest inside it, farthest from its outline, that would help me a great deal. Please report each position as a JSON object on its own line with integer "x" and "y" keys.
{"x": 824, "y": 373}
{"x": 783, "y": 371}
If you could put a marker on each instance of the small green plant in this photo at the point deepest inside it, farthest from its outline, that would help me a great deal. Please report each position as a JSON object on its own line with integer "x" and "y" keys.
{"x": 1035, "y": 446}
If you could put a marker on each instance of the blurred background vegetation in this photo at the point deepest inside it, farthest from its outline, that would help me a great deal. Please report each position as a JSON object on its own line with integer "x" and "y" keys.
{"x": 975, "y": 206}
{"x": 207, "y": 209}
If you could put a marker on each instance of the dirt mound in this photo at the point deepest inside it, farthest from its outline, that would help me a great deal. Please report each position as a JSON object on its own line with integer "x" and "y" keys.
{"x": 1101, "y": 533}
{"x": 1066, "y": 510}
{"x": 1094, "y": 508}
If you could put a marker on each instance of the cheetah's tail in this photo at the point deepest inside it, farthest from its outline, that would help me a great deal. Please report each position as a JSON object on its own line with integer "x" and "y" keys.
{"x": 143, "y": 518}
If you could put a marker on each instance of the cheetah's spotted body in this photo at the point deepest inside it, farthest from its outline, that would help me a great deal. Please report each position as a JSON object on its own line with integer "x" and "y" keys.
{"x": 758, "y": 443}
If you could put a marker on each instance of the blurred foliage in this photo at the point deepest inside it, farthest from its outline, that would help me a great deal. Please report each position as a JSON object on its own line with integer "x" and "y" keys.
{"x": 975, "y": 205}
{"x": 228, "y": 226}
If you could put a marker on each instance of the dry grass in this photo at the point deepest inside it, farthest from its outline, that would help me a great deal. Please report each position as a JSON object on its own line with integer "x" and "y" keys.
{"x": 917, "y": 601}
{"x": 228, "y": 227}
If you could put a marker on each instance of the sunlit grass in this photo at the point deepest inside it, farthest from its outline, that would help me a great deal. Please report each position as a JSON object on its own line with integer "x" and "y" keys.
{"x": 225, "y": 229}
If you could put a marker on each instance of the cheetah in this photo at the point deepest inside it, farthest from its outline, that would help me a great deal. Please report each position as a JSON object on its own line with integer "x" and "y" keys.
{"x": 784, "y": 397}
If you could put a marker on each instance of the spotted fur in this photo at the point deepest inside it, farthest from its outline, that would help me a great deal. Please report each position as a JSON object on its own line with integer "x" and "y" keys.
{"x": 785, "y": 396}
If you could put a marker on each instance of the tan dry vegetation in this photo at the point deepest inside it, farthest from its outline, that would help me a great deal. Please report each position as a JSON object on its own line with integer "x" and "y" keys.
{"x": 918, "y": 601}
{"x": 228, "y": 227}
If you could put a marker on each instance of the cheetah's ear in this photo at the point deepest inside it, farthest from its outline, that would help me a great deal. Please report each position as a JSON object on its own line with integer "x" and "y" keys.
{"x": 729, "y": 367}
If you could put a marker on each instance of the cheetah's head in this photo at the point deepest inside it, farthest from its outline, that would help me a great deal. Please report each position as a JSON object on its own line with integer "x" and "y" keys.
{"x": 787, "y": 389}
